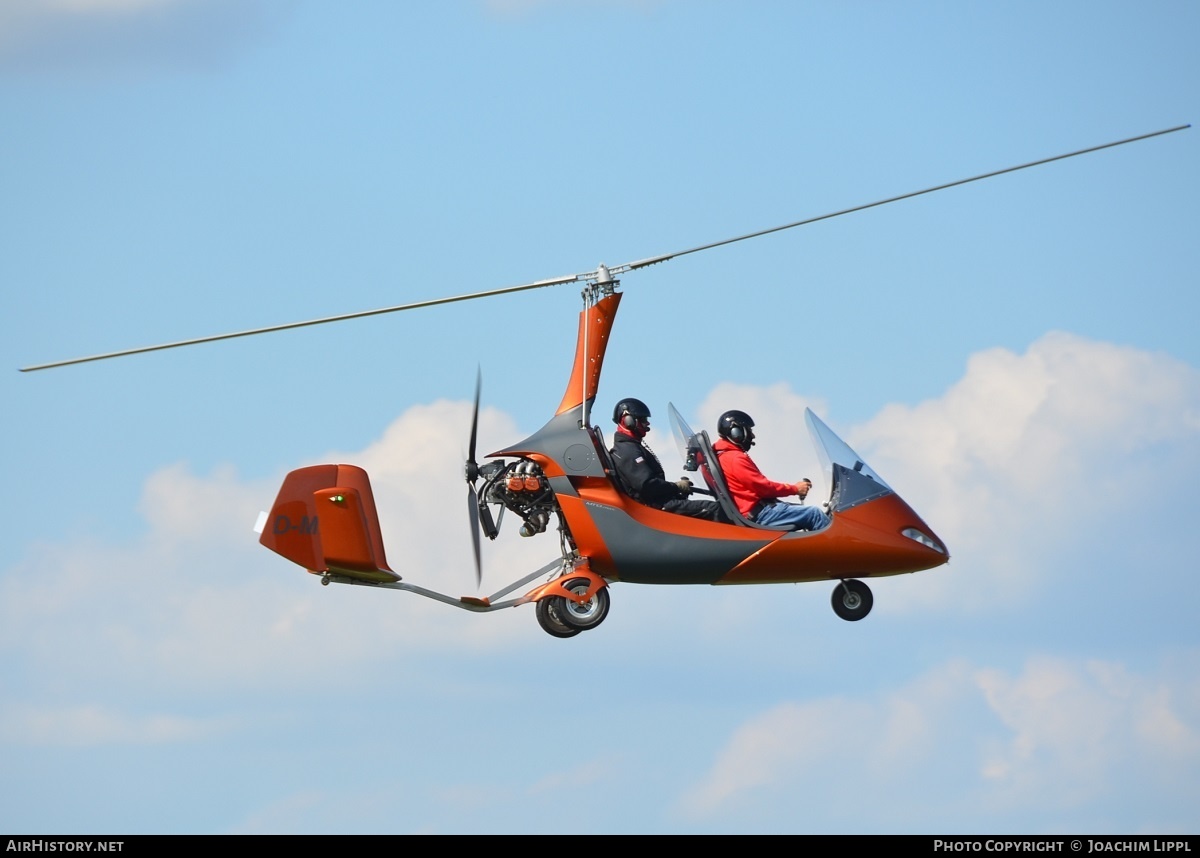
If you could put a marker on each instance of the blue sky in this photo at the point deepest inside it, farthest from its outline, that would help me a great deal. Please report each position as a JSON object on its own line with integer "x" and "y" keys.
{"x": 1018, "y": 358}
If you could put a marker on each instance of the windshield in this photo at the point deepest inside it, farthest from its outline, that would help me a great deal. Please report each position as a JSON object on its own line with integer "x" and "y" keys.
{"x": 834, "y": 451}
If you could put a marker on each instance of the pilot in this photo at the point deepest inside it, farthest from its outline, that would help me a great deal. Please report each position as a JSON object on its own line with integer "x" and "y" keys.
{"x": 640, "y": 472}
{"x": 756, "y": 496}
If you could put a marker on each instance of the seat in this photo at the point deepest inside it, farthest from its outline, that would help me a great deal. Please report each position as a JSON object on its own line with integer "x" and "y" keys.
{"x": 606, "y": 461}
{"x": 703, "y": 458}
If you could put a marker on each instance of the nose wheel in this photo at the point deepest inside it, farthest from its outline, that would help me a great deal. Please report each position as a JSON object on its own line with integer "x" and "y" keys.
{"x": 852, "y": 600}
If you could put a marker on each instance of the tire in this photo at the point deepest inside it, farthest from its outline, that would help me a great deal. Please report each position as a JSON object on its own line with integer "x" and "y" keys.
{"x": 852, "y": 600}
{"x": 549, "y": 613}
{"x": 583, "y": 616}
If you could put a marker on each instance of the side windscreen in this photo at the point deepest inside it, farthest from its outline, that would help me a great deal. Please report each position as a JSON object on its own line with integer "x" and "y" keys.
{"x": 685, "y": 438}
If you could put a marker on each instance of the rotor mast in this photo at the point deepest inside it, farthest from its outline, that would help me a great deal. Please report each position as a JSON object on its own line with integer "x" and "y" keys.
{"x": 600, "y": 302}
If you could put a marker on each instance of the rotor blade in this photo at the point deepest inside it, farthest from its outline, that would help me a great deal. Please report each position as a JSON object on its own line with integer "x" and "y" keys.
{"x": 473, "y": 514}
{"x": 630, "y": 266}
{"x": 642, "y": 263}
{"x": 555, "y": 281}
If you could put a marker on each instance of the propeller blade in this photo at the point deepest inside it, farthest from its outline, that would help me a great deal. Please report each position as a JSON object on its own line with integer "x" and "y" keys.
{"x": 473, "y": 514}
{"x": 472, "y": 469}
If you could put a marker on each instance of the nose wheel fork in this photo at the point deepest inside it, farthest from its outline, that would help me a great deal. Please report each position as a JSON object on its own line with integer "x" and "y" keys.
{"x": 852, "y": 600}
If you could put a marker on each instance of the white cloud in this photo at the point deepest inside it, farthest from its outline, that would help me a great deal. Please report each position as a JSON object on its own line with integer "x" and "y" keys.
{"x": 1030, "y": 453}
{"x": 1068, "y": 407}
{"x": 196, "y": 603}
{"x": 92, "y": 36}
{"x": 978, "y": 743}
{"x": 583, "y": 774}
{"x": 105, "y": 6}
{"x": 763, "y": 753}
{"x": 183, "y": 509}
{"x": 1027, "y": 456}
{"x": 286, "y": 814}
{"x": 783, "y": 449}
{"x": 35, "y": 19}
{"x": 197, "y": 593}
{"x": 90, "y": 724}
{"x": 514, "y": 8}
{"x": 416, "y": 471}
{"x": 1069, "y": 726}
{"x": 195, "y": 606}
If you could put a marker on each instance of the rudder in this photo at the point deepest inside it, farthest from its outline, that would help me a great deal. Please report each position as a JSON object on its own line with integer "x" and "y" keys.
{"x": 324, "y": 519}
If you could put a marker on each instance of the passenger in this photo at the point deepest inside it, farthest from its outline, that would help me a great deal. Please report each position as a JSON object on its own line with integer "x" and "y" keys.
{"x": 756, "y": 496}
{"x": 641, "y": 473}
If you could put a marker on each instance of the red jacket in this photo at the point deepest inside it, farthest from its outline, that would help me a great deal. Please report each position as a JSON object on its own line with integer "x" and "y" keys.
{"x": 746, "y": 482}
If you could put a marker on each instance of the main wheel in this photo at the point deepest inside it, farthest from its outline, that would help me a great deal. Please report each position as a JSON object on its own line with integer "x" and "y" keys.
{"x": 549, "y": 614}
{"x": 583, "y": 615}
{"x": 852, "y": 600}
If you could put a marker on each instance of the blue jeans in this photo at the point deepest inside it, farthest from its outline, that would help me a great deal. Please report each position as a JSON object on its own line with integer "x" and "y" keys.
{"x": 799, "y": 517}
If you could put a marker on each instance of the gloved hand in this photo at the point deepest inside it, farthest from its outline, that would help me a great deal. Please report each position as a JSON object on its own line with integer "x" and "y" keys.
{"x": 685, "y": 486}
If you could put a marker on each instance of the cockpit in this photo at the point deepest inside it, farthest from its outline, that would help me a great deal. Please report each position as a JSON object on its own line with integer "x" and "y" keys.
{"x": 851, "y": 480}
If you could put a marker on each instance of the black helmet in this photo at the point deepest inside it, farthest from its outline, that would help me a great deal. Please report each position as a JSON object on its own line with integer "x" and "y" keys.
{"x": 737, "y": 427}
{"x": 634, "y": 409}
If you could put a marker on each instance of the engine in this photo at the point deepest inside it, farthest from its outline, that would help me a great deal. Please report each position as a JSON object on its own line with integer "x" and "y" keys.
{"x": 520, "y": 487}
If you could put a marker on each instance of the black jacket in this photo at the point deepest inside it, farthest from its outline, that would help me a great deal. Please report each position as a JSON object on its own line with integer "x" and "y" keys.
{"x": 641, "y": 473}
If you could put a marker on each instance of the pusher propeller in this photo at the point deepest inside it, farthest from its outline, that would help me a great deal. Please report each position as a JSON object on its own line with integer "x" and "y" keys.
{"x": 471, "y": 472}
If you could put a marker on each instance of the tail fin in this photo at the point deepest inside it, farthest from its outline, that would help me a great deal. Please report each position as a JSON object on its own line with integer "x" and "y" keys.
{"x": 324, "y": 519}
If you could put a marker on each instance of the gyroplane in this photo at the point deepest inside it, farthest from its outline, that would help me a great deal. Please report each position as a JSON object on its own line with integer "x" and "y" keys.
{"x": 561, "y": 479}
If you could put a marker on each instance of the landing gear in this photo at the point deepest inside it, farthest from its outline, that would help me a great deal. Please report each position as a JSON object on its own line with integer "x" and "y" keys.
{"x": 852, "y": 600}
{"x": 549, "y": 615}
{"x": 564, "y": 618}
{"x": 584, "y": 615}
